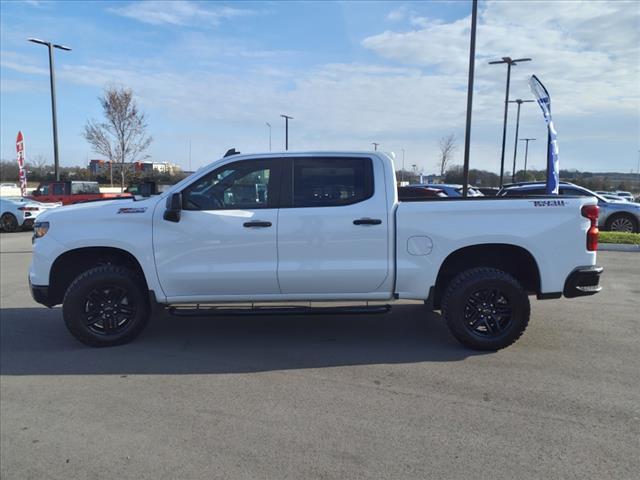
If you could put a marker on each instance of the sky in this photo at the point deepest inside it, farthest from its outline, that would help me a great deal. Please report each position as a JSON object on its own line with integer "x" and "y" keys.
{"x": 210, "y": 75}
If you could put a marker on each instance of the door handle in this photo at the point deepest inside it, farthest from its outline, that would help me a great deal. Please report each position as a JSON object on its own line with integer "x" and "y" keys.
{"x": 256, "y": 224}
{"x": 367, "y": 221}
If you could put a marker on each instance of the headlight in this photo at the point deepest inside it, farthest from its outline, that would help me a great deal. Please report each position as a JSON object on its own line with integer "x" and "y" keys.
{"x": 40, "y": 229}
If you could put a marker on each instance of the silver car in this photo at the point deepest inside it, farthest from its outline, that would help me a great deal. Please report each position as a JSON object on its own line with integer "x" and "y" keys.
{"x": 617, "y": 216}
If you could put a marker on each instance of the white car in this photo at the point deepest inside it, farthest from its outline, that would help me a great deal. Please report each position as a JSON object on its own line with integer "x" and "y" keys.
{"x": 17, "y": 212}
{"x": 628, "y": 196}
{"x": 311, "y": 227}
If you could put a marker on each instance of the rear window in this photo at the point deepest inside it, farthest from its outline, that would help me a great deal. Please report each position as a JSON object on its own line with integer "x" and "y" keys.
{"x": 328, "y": 182}
{"x": 83, "y": 188}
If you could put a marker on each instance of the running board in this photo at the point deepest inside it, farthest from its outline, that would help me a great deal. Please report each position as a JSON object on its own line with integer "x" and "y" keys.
{"x": 251, "y": 311}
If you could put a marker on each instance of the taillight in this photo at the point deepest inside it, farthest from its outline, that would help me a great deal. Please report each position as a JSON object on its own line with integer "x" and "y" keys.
{"x": 28, "y": 209}
{"x": 591, "y": 212}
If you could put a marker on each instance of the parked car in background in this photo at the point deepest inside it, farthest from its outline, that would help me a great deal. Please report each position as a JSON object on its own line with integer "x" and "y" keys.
{"x": 410, "y": 192}
{"x": 488, "y": 191}
{"x": 72, "y": 192}
{"x": 450, "y": 189}
{"x": 615, "y": 198}
{"x": 17, "y": 213}
{"x": 616, "y": 216}
{"x": 628, "y": 196}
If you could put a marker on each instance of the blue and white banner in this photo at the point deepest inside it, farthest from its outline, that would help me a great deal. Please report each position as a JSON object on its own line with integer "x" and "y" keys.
{"x": 553, "y": 166}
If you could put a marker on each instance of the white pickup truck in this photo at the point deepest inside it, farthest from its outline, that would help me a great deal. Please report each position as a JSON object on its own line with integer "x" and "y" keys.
{"x": 314, "y": 227}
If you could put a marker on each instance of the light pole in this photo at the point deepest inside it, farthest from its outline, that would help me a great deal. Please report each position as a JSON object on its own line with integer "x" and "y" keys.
{"x": 519, "y": 101}
{"x": 510, "y": 62}
{"x": 375, "y": 145}
{"x": 286, "y": 130}
{"x": 526, "y": 153}
{"x": 402, "y": 171}
{"x": 52, "y": 78}
{"x": 472, "y": 63}
{"x": 269, "y": 125}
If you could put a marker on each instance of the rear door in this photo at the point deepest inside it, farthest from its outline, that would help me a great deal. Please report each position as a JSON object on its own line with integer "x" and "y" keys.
{"x": 332, "y": 227}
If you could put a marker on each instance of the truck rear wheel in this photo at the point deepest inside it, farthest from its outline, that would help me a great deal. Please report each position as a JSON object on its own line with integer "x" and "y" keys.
{"x": 486, "y": 308}
{"x": 106, "y": 306}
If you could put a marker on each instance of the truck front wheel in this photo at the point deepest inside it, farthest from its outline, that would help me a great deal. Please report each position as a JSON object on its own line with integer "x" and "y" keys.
{"x": 106, "y": 306}
{"x": 486, "y": 308}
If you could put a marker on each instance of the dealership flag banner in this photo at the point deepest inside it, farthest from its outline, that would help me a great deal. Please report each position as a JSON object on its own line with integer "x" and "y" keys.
{"x": 553, "y": 166}
{"x": 22, "y": 172}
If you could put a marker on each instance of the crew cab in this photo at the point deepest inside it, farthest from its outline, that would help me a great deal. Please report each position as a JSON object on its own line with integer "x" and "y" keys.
{"x": 276, "y": 228}
{"x": 70, "y": 192}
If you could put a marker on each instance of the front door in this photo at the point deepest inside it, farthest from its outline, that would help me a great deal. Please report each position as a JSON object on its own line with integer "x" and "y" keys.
{"x": 224, "y": 244}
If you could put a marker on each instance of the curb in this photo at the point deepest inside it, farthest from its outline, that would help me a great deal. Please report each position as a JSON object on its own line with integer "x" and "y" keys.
{"x": 618, "y": 247}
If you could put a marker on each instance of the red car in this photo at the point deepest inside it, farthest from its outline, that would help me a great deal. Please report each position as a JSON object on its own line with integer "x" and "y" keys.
{"x": 72, "y": 192}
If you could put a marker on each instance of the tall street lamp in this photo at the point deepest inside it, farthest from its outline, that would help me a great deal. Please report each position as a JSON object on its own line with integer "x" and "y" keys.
{"x": 510, "y": 62}
{"x": 402, "y": 171}
{"x": 472, "y": 63}
{"x": 519, "y": 101}
{"x": 286, "y": 130}
{"x": 269, "y": 125}
{"x": 375, "y": 145}
{"x": 52, "y": 79}
{"x": 526, "y": 153}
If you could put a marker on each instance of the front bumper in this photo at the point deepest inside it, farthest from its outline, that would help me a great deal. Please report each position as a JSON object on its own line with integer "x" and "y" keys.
{"x": 583, "y": 281}
{"x": 40, "y": 294}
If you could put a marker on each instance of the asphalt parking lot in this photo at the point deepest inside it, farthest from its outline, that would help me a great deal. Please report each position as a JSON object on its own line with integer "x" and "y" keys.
{"x": 387, "y": 396}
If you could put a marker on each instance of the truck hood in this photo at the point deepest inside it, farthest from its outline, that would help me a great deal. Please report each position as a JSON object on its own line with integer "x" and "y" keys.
{"x": 102, "y": 209}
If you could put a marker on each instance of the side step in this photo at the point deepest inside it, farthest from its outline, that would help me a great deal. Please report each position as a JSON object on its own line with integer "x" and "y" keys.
{"x": 295, "y": 310}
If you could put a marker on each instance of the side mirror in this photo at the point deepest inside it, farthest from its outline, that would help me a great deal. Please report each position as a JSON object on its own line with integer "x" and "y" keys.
{"x": 174, "y": 206}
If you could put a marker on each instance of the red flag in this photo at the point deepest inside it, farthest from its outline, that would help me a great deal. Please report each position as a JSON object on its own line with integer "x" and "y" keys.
{"x": 22, "y": 172}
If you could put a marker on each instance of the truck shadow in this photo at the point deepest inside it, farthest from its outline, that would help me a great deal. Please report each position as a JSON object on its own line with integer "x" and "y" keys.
{"x": 34, "y": 341}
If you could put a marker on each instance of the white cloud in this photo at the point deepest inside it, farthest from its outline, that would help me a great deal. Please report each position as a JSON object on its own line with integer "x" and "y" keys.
{"x": 398, "y": 14}
{"x": 180, "y": 13}
{"x": 587, "y": 51}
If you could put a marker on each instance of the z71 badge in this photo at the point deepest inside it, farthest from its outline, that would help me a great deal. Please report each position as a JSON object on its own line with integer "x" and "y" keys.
{"x": 548, "y": 203}
{"x": 133, "y": 210}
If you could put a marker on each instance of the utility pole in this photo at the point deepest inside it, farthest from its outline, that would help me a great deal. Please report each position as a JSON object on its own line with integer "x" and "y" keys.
{"x": 519, "y": 101}
{"x": 402, "y": 171}
{"x": 286, "y": 130}
{"x": 269, "y": 125}
{"x": 189, "y": 154}
{"x": 526, "y": 153}
{"x": 375, "y": 145}
{"x": 472, "y": 63}
{"x": 510, "y": 62}
{"x": 52, "y": 80}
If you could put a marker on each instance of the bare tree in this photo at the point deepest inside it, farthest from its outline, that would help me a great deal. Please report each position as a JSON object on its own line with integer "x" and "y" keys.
{"x": 122, "y": 136}
{"x": 447, "y": 146}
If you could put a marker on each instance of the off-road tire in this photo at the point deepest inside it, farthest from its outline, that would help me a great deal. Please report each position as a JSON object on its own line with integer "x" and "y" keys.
{"x": 464, "y": 290}
{"x": 101, "y": 279}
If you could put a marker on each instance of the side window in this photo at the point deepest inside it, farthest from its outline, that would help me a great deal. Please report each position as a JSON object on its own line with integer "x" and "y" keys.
{"x": 44, "y": 189}
{"x": 248, "y": 184}
{"x": 58, "y": 189}
{"x": 327, "y": 182}
{"x": 83, "y": 188}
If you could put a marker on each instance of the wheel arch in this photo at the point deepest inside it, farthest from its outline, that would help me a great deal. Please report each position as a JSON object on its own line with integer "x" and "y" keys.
{"x": 72, "y": 263}
{"x": 514, "y": 260}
